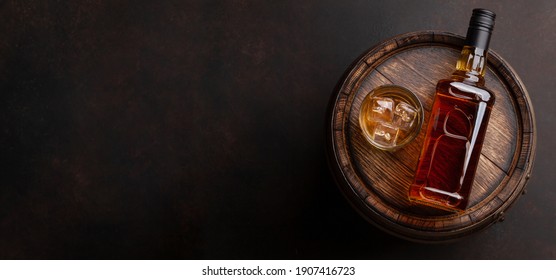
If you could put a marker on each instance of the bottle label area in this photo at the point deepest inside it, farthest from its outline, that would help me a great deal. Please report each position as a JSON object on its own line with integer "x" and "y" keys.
{"x": 450, "y": 155}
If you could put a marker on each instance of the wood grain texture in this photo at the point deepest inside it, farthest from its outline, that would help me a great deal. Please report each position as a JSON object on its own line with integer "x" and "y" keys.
{"x": 377, "y": 182}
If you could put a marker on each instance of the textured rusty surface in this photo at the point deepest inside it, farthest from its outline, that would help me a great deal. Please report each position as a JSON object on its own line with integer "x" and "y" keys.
{"x": 195, "y": 129}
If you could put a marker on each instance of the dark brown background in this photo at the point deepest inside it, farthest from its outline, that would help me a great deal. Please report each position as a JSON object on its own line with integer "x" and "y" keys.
{"x": 195, "y": 129}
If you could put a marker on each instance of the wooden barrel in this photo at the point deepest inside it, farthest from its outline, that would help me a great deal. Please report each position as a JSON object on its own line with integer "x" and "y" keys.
{"x": 377, "y": 182}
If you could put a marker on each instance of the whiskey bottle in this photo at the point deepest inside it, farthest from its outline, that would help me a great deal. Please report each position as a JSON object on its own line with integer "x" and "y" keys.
{"x": 457, "y": 125}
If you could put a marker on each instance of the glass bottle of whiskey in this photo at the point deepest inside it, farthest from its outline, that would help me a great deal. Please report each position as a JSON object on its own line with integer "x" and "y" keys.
{"x": 457, "y": 125}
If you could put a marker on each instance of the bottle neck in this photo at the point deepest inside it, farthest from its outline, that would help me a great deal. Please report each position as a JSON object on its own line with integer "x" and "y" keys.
{"x": 471, "y": 65}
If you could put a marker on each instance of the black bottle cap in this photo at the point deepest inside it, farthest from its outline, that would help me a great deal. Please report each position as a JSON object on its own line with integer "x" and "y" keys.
{"x": 480, "y": 28}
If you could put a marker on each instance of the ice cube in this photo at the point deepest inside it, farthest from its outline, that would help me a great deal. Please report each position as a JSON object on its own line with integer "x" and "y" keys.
{"x": 404, "y": 116}
{"x": 382, "y": 109}
{"x": 385, "y": 134}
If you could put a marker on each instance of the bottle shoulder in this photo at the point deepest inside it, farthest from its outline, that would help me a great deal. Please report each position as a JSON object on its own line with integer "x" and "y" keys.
{"x": 460, "y": 89}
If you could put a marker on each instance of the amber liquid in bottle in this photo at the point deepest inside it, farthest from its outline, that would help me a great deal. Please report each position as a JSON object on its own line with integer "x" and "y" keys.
{"x": 455, "y": 132}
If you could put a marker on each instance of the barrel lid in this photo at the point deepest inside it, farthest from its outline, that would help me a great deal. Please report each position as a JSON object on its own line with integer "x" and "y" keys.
{"x": 376, "y": 182}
